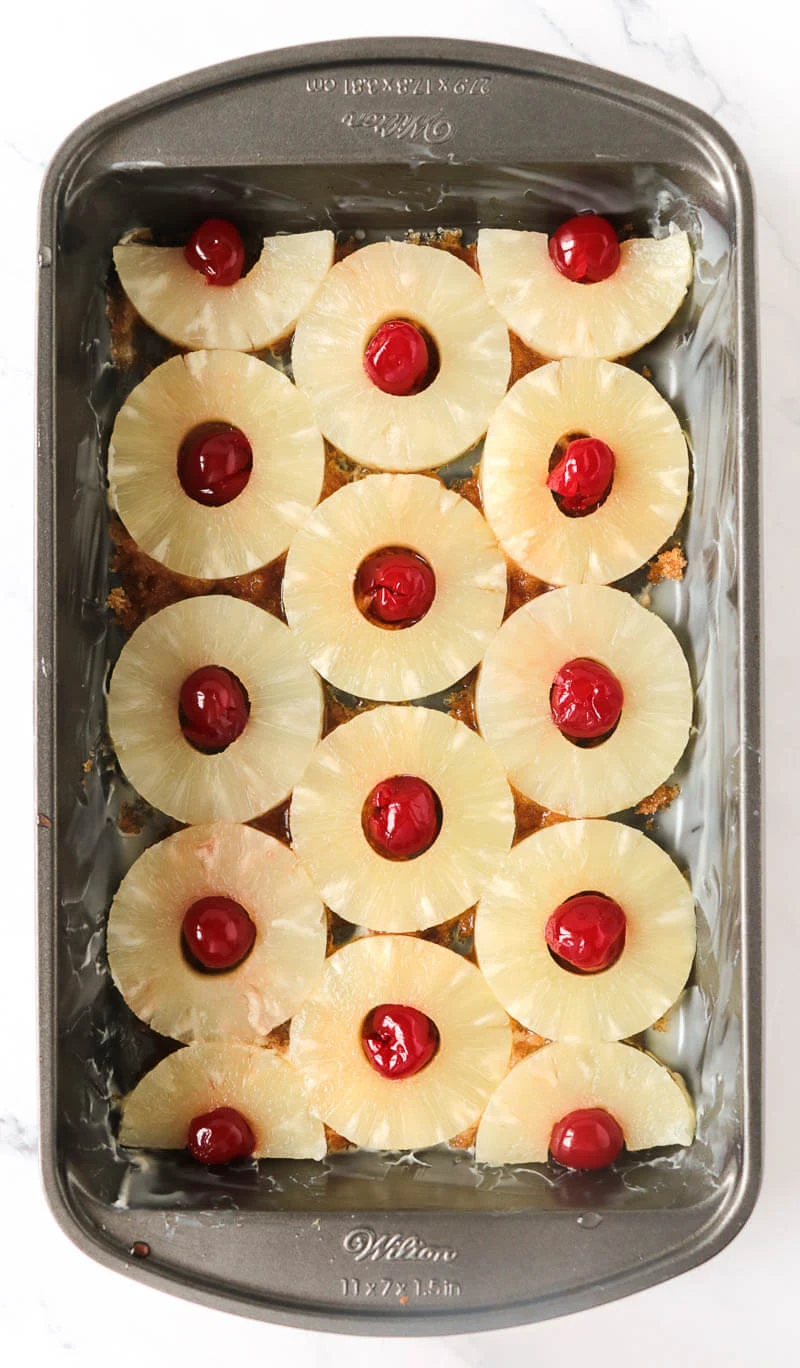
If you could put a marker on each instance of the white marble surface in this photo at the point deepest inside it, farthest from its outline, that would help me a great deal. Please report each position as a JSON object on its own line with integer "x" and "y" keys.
{"x": 61, "y": 63}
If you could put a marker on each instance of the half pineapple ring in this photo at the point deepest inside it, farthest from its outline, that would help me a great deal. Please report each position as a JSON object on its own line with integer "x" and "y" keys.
{"x": 540, "y": 874}
{"x": 651, "y": 473}
{"x": 559, "y": 317}
{"x": 443, "y": 1098}
{"x": 284, "y": 484}
{"x": 257, "y": 770}
{"x": 476, "y": 830}
{"x": 260, "y": 309}
{"x": 650, "y": 1104}
{"x": 512, "y": 700}
{"x": 348, "y": 648}
{"x": 258, "y": 1083}
{"x": 437, "y": 292}
{"x": 145, "y": 951}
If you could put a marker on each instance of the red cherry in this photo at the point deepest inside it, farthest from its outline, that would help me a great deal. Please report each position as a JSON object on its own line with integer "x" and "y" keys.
{"x": 585, "y": 249}
{"x": 585, "y": 700}
{"x": 402, "y": 817}
{"x": 214, "y": 464}
{"x": 213, "y": 708}
{"x": 582, "y": 478}
{"x": 398, "y": 1041}
{"x": 589, "y": 1138}
{"x": 397, "y": 358}
{"x": 398, "y": 586}
{"x": 220, "y": 1135}
{"x": 218, "y": 933}
{"x": 587, "y": 932}
{"x": 216, "y": 249}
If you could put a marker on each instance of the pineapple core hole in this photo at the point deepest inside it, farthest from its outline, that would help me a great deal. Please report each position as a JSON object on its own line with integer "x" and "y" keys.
{"x": 217, "y": 934}
{"x": 401, "y": 357}
{"x": 586, "y": 934}
{"x": 586, "y": 701}
{"x": 398, "y": 1040}
{"x": 394, "y": 587}
{"x": 213, "y": 709}
{"x": 401, "y": 817}
{"x": 580, "y": 474}
{"x": 215, "y": 462}
{"x": 560, "y": 447}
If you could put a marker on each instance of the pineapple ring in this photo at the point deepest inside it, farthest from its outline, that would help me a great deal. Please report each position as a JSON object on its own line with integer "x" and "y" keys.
{"x": 345, "y": 646}
{"x": 650, "y": 1103}
{"x": 545, "y": 870}
{"x": 256, "y": 312}
{"x": 440, "y": 294}
{"x": 259, "y": 1083}
{"x": 443, "y": 1098}
{"x": 257, "y": 770}
{"x": 512, "y": 700}
{"x": 559, "y": 317}
{"x": 651, "y": 476}
{"x": 144, "y": 935}
{"x": 284, "y": 484}
{"x": 477, "y": 819}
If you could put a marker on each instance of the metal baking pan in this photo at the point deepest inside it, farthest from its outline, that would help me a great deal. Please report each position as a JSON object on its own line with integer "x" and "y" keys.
{"x": 383, "y": 135}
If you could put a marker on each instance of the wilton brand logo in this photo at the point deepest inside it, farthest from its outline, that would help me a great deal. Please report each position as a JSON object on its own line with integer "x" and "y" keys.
{"x": 429, "y": 128}
{"x": 365, "y": 1244}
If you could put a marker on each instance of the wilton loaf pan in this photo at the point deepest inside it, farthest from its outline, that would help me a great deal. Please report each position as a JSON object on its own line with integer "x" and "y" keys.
{"x": 383, "y": 136}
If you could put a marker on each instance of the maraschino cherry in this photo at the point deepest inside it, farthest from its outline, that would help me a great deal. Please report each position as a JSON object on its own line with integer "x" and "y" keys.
{"x": 218, "y": 933}
{"x": 396, "y": 585}
{"x": 213, "y": 708}
{"x": 587, "y": 932}
{"x": 589, "y": 1138}
{"x": 220, "y": 1135}
{"x": 217, "y": 251}
{"x": 585, "y": 249}
{"x": 397, "y": 358}
{"x": 215, "y": 461}
{"x": 585, "y": 700}
{"x": 401, "y": 817}
{"x": 583, "y": 476}
{"x": 398, "y": 1041}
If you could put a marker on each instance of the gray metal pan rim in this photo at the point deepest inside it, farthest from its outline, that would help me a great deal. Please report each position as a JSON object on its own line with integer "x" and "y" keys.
{"x": 704, "y": 1241}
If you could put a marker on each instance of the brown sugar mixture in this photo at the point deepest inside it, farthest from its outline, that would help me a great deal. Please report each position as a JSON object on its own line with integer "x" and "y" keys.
{"x": 531, "y": 817}
{"x": 667, "y": 565}
{"x": 147, "y": 586}
{"x": 523, "y": 359}
{"x": 449, "y": 240}
{"x": 469, "y": 489}
{"x": 275, "y": 823}
{"x": 522, "y": 587}
{"x": 658, "y": 800}
{"x": 460, "y": 701}
{"x": 132, "y": 817}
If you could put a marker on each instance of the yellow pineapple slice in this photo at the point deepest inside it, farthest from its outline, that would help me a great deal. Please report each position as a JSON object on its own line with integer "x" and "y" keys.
{"x": 650, "y": 481}
{"x": 258, "y": 311}
{"x": 345, "y": 645}
{"x": 444, "y": 1097}
{"x": 146, "y": 954}
{"x": 260, "y": 1084}
{"x": 185, "y": 393}
{"x": 540, "y": 874}
{"x": 513, "y": 700}
{"x": 558, "y": 317}
{"x": 650, "y": 1104}
{"x": 261, "y": 766}
{"x": 442, "y": 296}
{"x": 326, "y": 818}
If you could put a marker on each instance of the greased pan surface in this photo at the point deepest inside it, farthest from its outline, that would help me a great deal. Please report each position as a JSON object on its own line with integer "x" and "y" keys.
{"x": 383, "y": 136}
